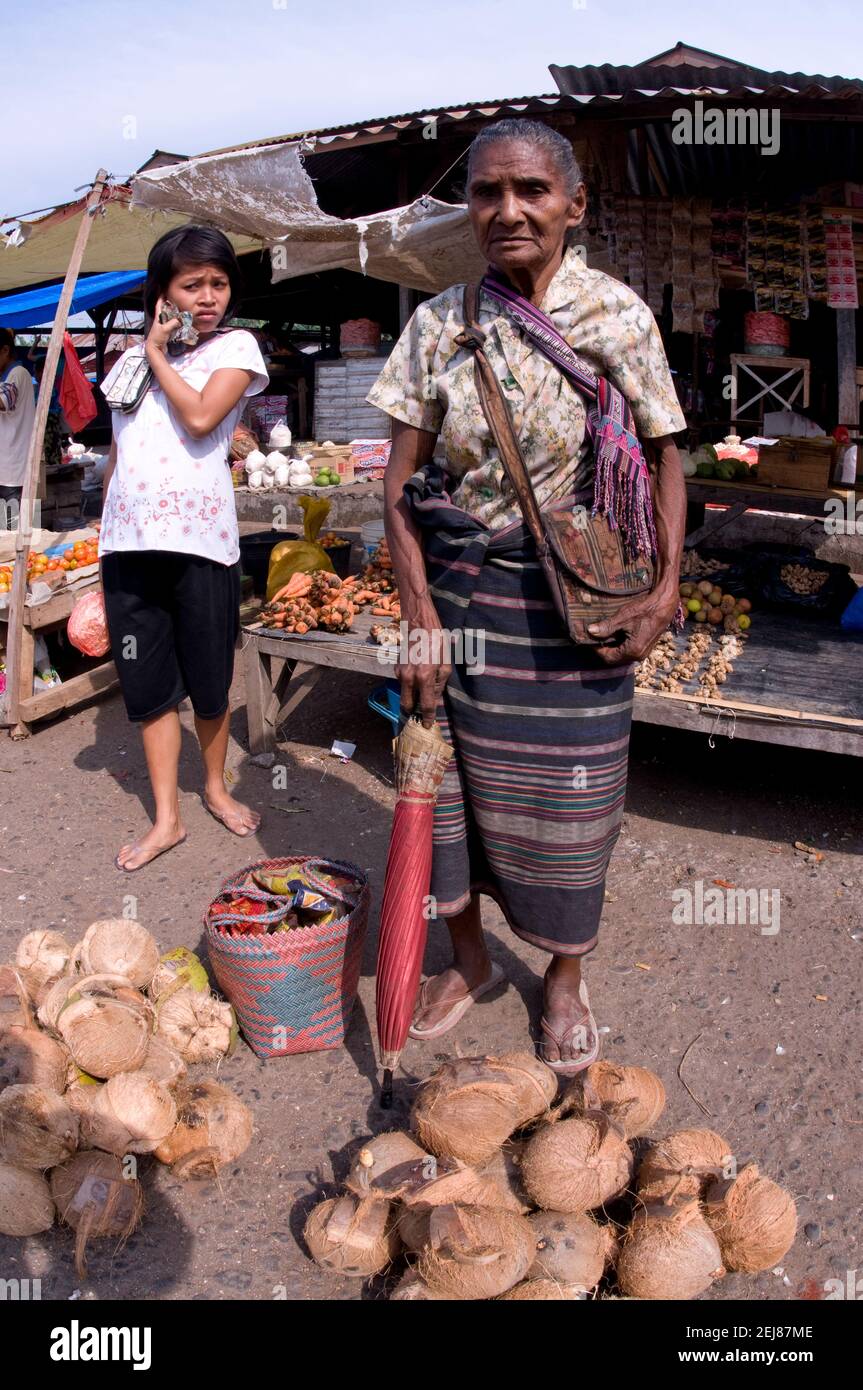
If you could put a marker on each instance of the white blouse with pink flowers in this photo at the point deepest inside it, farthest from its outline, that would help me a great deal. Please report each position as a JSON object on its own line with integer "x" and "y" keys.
{"x": 170, "y": 491}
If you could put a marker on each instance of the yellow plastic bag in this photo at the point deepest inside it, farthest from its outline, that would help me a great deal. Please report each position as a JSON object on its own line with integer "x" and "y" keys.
{"x": 300, "y": 557}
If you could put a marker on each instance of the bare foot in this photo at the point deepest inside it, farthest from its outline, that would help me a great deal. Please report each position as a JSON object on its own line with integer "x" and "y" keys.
{"x": 567, "y": 1018}
{"x": 443, "y": 990}
{"x": 240, "y": 819}
{"x": 158, "y": 839}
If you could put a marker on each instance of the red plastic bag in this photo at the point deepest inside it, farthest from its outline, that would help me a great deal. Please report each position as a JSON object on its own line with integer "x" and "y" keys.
{"x": 76, "y": 393}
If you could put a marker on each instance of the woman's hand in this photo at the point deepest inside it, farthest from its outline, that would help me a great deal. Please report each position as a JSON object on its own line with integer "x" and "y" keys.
{"x": 160, "y": 333}
{"x": 426, "y": 671}
{"x": 643, "y": 622}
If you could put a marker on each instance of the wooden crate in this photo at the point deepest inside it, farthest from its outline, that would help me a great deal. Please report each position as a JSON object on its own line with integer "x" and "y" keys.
{"x": 800, "y": 463}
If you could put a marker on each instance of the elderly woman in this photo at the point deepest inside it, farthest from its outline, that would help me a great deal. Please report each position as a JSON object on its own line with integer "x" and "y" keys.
{"x": 531, "y": 807}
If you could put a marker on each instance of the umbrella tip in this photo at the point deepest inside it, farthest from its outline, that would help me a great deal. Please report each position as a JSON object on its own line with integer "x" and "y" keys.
{"x": 387, "y": 1090}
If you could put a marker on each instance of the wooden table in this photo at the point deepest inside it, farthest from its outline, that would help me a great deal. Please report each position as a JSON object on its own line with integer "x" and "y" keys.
{"x": 282, "y": 668}
{"x": 798, "y": 683}
{"x": 744, "y": 496}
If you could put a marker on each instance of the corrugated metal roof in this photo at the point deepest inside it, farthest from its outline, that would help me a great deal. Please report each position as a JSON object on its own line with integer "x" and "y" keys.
{"x": 734, "y": 80}
{"x": 386, "y": 125}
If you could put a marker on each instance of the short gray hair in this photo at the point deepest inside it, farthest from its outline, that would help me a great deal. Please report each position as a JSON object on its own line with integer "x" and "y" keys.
{"x": 540, "y": 137}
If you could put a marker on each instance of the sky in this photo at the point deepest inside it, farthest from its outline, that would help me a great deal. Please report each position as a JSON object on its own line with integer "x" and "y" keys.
{"x": 105, "y": 82}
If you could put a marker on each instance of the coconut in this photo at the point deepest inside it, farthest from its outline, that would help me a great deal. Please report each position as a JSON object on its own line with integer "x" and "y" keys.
{"x": 577, "y": 1164}
{"x": 29, "y": 1058}
{"x": 475, "y": 1252}
{"x": 753, "y": 1218}
{"x": 131, "y": 1113}
{"x": 570, "y": 1248}
{"x": 454, "y": 1183}
{"x": 388, "y": 1166}
{"x": 411, "y": 1288}
{"x": 163, "y": 1062}
{"x": 633, "y": 1096}
{"x": 196, "y": 1024}
{"x": 42, "y": 956}
{"x": 176, "y": 969}
{"x": 26, "y": 1207}
{"x": 38, "y": 1129}
{"x": 470, "y": 1106}
{"x": 505, "y": 1168}
{"x": 14, "y": 999}
{"x": 105, "y": 1035}
{"x": 681, "y": 1164}
{"x": 70, "y": 987}
{"x": 119, "y": 946}
{"x": 80, "y": 1095}
{"x": 95, "y": 1198}
{"x": 542, "y": 1290}
{"x": 54, "y": 999}
{"x": 610, "y": 1243}
{"x": 669, "y": 1252}
{"x": 352, "y": 1235}
{"x": 213, "y": 1128}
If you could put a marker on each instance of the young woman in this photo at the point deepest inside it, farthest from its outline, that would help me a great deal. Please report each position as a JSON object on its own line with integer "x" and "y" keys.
{"x": 169, "y": 540}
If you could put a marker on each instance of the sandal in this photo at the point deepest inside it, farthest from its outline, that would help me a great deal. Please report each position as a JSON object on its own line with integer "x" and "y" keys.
{"x": 237, "y": 828}
{"x": 561, "y": 1039}
{"x": 459, "y": 1006}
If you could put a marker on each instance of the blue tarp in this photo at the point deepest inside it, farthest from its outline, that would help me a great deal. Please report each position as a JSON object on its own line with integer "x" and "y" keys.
{"x": 30, "y": 308}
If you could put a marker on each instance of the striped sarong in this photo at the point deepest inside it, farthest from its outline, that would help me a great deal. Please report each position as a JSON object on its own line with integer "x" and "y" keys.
{"x": 531, "y": 806}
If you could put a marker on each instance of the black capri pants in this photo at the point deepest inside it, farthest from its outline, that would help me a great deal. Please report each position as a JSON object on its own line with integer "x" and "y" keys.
{"x": 173, "y": 620}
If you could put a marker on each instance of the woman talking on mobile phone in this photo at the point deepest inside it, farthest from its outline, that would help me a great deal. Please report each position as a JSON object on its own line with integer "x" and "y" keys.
{"x": 169, "y": 541}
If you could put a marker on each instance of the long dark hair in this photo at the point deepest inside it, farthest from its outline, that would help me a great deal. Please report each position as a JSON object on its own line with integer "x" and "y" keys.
{"x": 190, "y": 245}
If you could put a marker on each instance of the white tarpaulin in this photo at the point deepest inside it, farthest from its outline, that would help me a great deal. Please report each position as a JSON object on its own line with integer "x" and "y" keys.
{"x": 265, "y": 192}
{"x": 257, "y": 191}
{"x": 120, "y": 239}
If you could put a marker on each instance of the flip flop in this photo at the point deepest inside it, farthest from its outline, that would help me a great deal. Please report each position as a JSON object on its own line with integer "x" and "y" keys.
{"x": 561, "y": 1039}
{"x": 217, "y": 815}
{"x": 138, "y": 867}
{"x": 459, "y": 1006}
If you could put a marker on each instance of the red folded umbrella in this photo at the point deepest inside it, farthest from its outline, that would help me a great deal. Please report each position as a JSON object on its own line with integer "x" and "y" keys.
{"x": 421, "y": 757}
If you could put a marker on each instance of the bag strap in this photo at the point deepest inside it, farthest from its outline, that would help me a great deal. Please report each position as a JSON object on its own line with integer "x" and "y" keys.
{"x": 496, "y": 411}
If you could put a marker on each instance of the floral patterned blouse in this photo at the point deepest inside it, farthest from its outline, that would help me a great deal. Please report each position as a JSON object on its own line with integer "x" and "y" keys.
{"x": 428, "y": 382}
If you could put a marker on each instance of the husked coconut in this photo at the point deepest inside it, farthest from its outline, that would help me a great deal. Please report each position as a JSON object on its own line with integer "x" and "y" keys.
{"x": 37, "y": 1127}
{"x": 753, "y": 1218}
{"x": 681, "y": 1165}
{"x": 411, "y": 1289}
{"x": 213, "y": 1128}
{"x": 475, "y": 1252}
{"x": 42, "y": 956}
{"x": 94, "y": 1196}
{"x": 120, "y": 946}
{"x": 387, "y": 1166}
{"x": 469, "y": 1107}
{"x": 633, "y": 1096}
{"x": 29, "y": 1058}
{"x": 105, "y": 1035}
{"x": 131, "y": 1113}
{"x": 570, "y": 1248}
{"x": 576, "y": 1165}
{"x": 26, "y": 1206}
{"x": 542, "y": 1291}
{"x": 352, "y": 1235}
{"x": 669, "y": 1252}
{"x": 196, "y": 1024}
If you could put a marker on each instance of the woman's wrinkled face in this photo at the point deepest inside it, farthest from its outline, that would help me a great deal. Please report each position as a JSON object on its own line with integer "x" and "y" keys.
{"x": 203, "y": 290}
{"x": 519, "y": 207}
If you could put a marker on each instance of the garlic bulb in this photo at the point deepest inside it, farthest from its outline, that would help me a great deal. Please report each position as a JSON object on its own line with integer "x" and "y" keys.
{"x": 282, "y": 473}
{"x": 256, "y": 479}
{"x": 255, "y": 461}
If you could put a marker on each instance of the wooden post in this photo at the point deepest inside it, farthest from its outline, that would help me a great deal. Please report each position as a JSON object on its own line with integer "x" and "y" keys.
{"x": 19, "y": 653}
{"x": 848, "y": 410}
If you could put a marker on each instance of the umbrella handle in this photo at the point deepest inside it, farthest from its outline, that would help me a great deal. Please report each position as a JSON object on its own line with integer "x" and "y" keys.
{"x": 387, "y": 1089}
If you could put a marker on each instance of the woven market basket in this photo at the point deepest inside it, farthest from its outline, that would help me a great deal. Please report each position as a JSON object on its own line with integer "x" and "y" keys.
{"x": 293, "y": 991}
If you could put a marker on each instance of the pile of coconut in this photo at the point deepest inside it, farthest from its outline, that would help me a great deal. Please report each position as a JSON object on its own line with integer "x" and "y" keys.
{"x": 95, "y": 1044}
{"x": 500, "y": 1194}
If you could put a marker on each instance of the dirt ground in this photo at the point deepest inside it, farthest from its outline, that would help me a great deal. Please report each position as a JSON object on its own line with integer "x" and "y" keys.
{"x": 772, "y": 1022}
